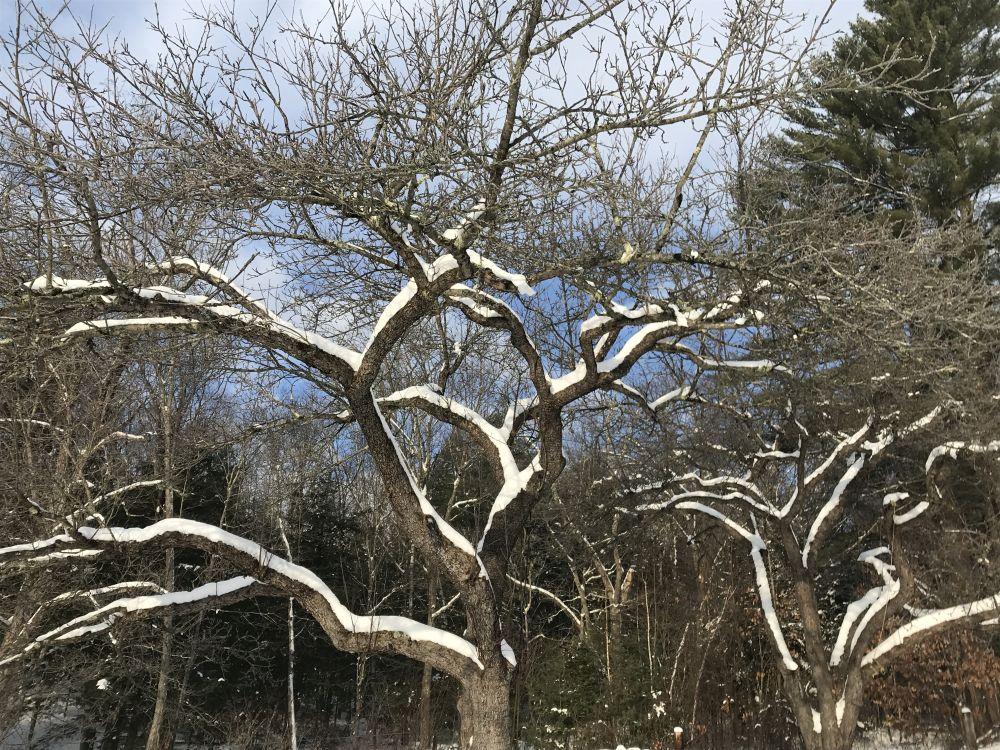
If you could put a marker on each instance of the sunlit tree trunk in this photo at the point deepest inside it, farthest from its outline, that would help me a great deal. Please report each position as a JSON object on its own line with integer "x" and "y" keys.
{"x": 485, "y": 710}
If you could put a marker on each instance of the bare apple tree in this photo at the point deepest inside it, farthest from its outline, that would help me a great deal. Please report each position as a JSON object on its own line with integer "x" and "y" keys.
{"x": 388, "y": 172}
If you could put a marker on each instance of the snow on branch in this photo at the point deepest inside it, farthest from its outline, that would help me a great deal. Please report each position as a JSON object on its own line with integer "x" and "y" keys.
{"x": 272, "y": 323}
{"x": 30, "y": 548}
{"x": 217, "y": 278}
{"x": 757, "y": 548}
{"x": 625, "y": 313}
{"x": 494, "y": 439}
{"x": 490, "y": 312}
{"x": 396, "y": 304}
{"x": 900, "y": 519}
{"x": 615, "y": 364}
{"x": 777, "y": 455}
{"x": 103, "y": 618}
{"x": 828, "y": 513}
{"x": 448, "y": 651}
{"x": 683, "y": 393}
{"x": 888, "y": 436}
{"x": 428, "y": 396}
{"x": 66, "y": 554}
{"x": 56, "y": 284}
{"x": 514, "y": 484}
{"x": 27, "y": 422}
{"x": 712, "y": 363}
{"x": 456, "y": 234}
{"x": 201, "y": 309}
{"x": 518, "y": 281}
{"x": 92, "y": 327}
{"x": 952, "y": 448}
{"x": 747, "y": 491}
{"x": 114, "y": 588}
{"x": 447, "y": 531}
{"x": 655, "y": 323}
{"x": 121, "y": 435}
{"x": 46, "y": 425}
{"x": 618, "y": 316}
{"x": 861, "y": 612}
{"x": 573, "y": 616}
{"x": 931, "y": 622}
{"x": 848, "y": 442}
{"x": 77, "y": 516}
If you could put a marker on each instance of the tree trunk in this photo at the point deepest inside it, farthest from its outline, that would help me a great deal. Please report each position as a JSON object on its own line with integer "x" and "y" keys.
{"x": 160, "y": 732}
{"x": 161, "y": 736}
{"x": 827, "y": 740}
{"x": 485, "y": 710}
{"x": 293, "y": 740}
{"x": 426, "y": 719}
{"x": 132, "y": 735}
{"x": 186, "y": 678}
{"x": 359, "y": 686}
{"x": 89, "y": 736}
{"x": 968, "y": 728}
{"x": 810, "y": 740}
{"x": 993, "y": 705}
{"x": 31, "y": 729}
{"x": 293, "y": 732}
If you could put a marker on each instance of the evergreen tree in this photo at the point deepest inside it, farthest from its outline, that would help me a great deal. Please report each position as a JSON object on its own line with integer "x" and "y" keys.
{"x": 907, "y": 114}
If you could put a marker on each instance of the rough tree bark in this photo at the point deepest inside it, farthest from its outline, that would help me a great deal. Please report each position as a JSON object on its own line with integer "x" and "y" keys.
{"x": 484, "y": 706}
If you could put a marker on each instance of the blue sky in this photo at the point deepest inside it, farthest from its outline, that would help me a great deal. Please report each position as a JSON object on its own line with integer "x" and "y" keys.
{"x": 129, "y": 21}
{"x": 128, "y": 17}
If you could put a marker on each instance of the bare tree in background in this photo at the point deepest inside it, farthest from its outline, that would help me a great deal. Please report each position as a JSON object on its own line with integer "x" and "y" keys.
{"x": 890, "y": 380}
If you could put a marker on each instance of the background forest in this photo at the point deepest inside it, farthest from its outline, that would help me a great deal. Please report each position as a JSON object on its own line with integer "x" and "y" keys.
{"x": 589, "y": 436}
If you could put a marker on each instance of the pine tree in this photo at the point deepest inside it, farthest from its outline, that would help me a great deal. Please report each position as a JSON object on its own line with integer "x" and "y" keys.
{"x": 907, "y": 114}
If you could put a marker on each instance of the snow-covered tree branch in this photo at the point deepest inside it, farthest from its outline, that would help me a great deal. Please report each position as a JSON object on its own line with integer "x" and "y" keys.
{"x": 826, "y": 673}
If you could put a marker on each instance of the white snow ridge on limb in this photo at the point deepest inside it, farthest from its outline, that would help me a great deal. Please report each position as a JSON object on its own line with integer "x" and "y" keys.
{"x": 933, "y": 620}
{"x": 952, "y": 448}
{"x": 182, "y": 532}
{"x": 350, "y": 621}
{"x": 757, "y": 548}
{"x": 104, "y": 617}
{"x": 49, "y": 285}
{"x": 255, "y": 317}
